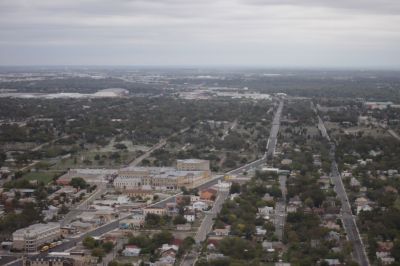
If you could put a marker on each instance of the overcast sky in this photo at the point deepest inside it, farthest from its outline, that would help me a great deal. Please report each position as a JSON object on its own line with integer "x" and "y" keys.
{"x": 277, "y": 33}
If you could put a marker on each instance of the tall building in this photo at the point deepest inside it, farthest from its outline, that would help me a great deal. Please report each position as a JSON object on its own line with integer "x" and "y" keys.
{"x": 32, "y": 237}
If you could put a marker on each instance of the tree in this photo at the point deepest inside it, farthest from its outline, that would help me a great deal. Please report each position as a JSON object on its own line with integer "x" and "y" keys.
{"x": 152, "y": 220}
{"x": 396, "y": 250}
{"x": 179, "y": 219}
{"x": 107, "y": 246}
{"x": 235, "y": 188}
{"x": 163, "y": 237}
{"x": 186, "y": 245}
{"x": 78, "y": 182}
{"x": 98, "y": 252}
{"x": 89, "y": 242}
{"x": 120, "y": 146}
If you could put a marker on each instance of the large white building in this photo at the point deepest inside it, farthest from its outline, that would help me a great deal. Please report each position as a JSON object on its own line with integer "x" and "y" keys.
{"x": 188, "y": 173}
{"x": 32, "y": 237}
{"x": 193, "y": 165}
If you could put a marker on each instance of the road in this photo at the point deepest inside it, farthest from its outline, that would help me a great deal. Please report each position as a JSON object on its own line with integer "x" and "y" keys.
{"x": 394, "y": 134}
{"x": 100, "y": 189}
{"x": 208, "y": 221}
{"x": 273, "y": 137}
{"x": 71, "y": 242}
{"x": 232, "y": 127}
{"x": 280, "y": 209}
{"x": 348, "y": 220}
{"x": 159, "y": 145}
{"x": 114, "y": 224}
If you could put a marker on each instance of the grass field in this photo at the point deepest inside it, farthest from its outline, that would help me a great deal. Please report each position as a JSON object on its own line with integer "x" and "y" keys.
{"x": 45, "y": 177}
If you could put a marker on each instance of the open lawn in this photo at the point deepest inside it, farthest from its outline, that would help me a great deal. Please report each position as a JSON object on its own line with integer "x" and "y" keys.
{"x": 45, "y": 177}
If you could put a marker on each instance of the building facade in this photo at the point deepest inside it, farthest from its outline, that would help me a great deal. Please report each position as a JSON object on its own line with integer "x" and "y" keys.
{"x": 193, "y": 165}
{"x": 163, "y": 178}
{"x": 31, "y": 238}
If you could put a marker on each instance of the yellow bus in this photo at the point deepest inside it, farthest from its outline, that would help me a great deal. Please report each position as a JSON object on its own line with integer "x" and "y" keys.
{"x": 44, "y": 249}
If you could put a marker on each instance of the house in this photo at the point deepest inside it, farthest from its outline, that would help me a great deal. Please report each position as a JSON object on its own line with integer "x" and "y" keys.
{"x": 333, "y": 236}
{"x": 268, "y": 246}
{"x": 233, "y": 196}
{"x": 385, "y": 246}
{"x": 200, "y": 206}
{"x": 50, "y": 213}
{"x": 385, "y": 257}
{"x": 190, "y": 216}
{"x": 168, "y": 247}
{"x": 184, "y": 227}
{"x": 346, "y": 174}
{"x": 194, "y": 198}
{"x": 154, "y": 210}
{"x": 166, "y": 260}
{"x": 296, "y": 201}
{"x": 182, "y": 200}
{"x": 361, "y": 201}
{"x": 68, "y": 230}
{"x": 131, "y": 223}
{"x": 266, "y": 212}
{"x": 291, "y": 208}
{"x": 387, "y": 260}
{"x": 171, "y": 208}
{"x": 131, "y": 251}
{"x": 215, "y": 256}
{"x": 286, "y": 162}
{"x": 209, "y": 194}
{"x": 324, "y": 182}
{"x": 362, "y": 204}
{"x": 392, "y": 172}
{"x": 223, "y": 186}
{"x": 331, "y": 225}
{"x": 365, "y": 208}
{"x": 211, "y": 247}
{"x": 333, "y": 262}
{"x": 268, "y": 197}
{"x": 354, "y": 182}
{"x": 260, "y": 231}
{"x": 222, "y": 231}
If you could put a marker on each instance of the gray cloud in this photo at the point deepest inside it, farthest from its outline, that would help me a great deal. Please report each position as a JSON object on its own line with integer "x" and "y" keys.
{"x": 252, "y": 32}
{"x": 369, "y": 6}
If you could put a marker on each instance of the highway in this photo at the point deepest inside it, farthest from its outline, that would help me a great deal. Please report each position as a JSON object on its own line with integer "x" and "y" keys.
{"x": 348, "y": 220}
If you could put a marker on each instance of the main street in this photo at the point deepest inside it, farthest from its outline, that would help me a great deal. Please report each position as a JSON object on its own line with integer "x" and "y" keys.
{"x": 204, "y": 227}
{"x": 280, "y": 209}
{"x": 208, "y": 221}
{"x": 348, "y": 220}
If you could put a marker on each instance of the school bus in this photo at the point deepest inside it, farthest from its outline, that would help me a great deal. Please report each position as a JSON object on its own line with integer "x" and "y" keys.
{"x": 44, "y": 248}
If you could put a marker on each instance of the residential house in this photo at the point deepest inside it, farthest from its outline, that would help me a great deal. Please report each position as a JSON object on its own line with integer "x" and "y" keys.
{"x": 222, "y": 231}
{"x": 190, "y": 216}
{"x": 131, "y": 251}
{"x": 266, "y": 212}
{"x": 209, "y": 194}
{"x": 200, "y": 206}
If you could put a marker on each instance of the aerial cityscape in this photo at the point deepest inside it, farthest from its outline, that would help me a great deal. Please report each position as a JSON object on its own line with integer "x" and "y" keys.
{"x": 199, "y": 133}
